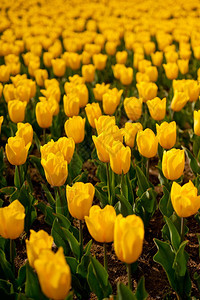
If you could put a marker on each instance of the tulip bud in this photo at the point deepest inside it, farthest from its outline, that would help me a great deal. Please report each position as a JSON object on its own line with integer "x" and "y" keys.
{"x": 110, "y": 48}
{"x": 55, "y": 168}
{"x": 126, "y": 76}
{"x": 104, "y": 123}
{"x": 197, "y": 122}
{"x": 99, "y": 90}
{"x": 41, "y": 76}
{"x": 173, "y": 163}
{"x": 157, "y": 108}
{"x": 103, "y": 143}
{"x": 47, "y": 59}
{"x": 133, "y": 108}
{"x": 192, "y": 88}
{"x": 9, "y": 92}
{"x": 110, "y": 103}
{"x": 100, "y": 223}
{"x": 37, "y": 242}
{"x": 143, "y": 64}
{"x": 171, "y": 70}
{"x": 118, "y": 69}
{"x": 82, "y": 93}
{"x": 75, "y": 128}
{"x": 44, "y": 115}
{"x": 12, "y": 220}
{"x": 79, "y": 199}
{"x": 184, "y": 199}
{"x": 16, "y": 110}
{"x": 121, "y": 57}
{"x": 25, "y": 131}
{"x": 147, "y": 90}
{"x": 71, "y": 105}
{"x": 4, "y": 73}
{"x": 149, "y": 47}
{"x": 53, "y": 273}
{"x": 179, "y": 101}
{"x": 131, "y": 129}
{"x": 58, "y": 67}
{"x": 120, "y": 158}
{"x": 50, "y": 147}
{"x": 166, "y": 134}
{"x": 171, "y": 56}
{"x": 17, "y": 150}
{"x": 74, "y": 61}
{"x": 100, "y": 61}
{"x": 23, "y": 93}
{"x": 152, "y": 73}
{"x": 183, "y": 66}
{"x": 128, "y": 238}
{"x": 93, "y": 111}
{"x": 88, "y": 72}
{"x": 1, "y": 121}
{"x": 147, "y": 143}
{"x": 66, "y": 146}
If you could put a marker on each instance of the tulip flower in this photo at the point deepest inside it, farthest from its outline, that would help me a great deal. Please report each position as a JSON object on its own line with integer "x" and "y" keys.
{"x": 16, "y": 110}
{"x": 166, "y": 134}
{"x": 50, "y": 147}
{"x": 183, "y": 66}
{"x": 66, "y": 146}
{"x": 171, "y": 56}
{"x": 71, "y": 105}
{"x": 121, "y": 57}
{"x": 197, "y": 122}
{"x": 9, "y": 92}
{"x": 41, "y": 76}
{"x": 58, "y": 67}
{"x": 44, "y": 115}
{"x": 100, "y": 61}
{"x": 110, "y": 48}
{"x": 143, "y": 64}
{"x": 17, "y": 150}
{"x": 133, "y": 108}
{"x": 126, "y": 77}
{"x": 103, "y": 143}
{"x": 157, "y": 108}
{"x": 192, "y": 89}
{"x": 147, "y": 143}
{"x": 99, "y": 90}
{"x": 110, "y": 103}
{"x": 53, "y": 273}
{"x": 171, "y": 70}
{"x": 147, "y": 90}
{"x": 173, "y": 163}
{"x": 131, "y": 129}
{"x": 149, "y": 47}
{"x": 37, "y": 242}
{"x": 152, "y": 73}
{"x": 4, "y": 73}
{"x": 25, "y": 131}
{"x": 179, "y": 101}
{"x": 75, "y": 128}
{"x": 88, "y": 72}
{"x": 1, "y": 121}
{"x": 120, "y": 158}
{"x": 104, "y": 123}
{"x": 93, "y": 111}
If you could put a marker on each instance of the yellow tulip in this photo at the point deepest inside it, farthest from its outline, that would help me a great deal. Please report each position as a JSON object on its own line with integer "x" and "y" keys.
{"x": 131, "y": 129}
{"x": 53, "y": 273}
{"x": 71, "y": 105}
{"x": 100, "y": 61}
{"x": 121, "y": 57}
{"x": 9, "y": 92}
{"x": 1, "y": 121}
{"x": 110, "y": 48}
{"x": 197, "y": 122}
{"x": 173, "y": 163}
{"x": 41, "y": 76}
{"x": 128, "y": 238}
{"x": 126, "y": 77}
{"x": 103, "y": 143}
{"x": 58, "y": 67}
{"x": 66, "y": 146}
{"x": 149, "y": 47}
{"x": 93, "y": 111}
{"x": 79, "y": 199}
{"x": 152, "y": 73}
{"x": 4, "y": 73}
{"x": 88, "y": 72}
{"x": 99, "y": 90}
{"x": 133, "y": 108}
{"x": 171, "y": 70}
{"x": 16, "y": 110}
{"x": 110, "y": 103}
{"x": 192, "y": 89}
{"x": 184, "y": 199}
{"x": 25, "y": 131}
{"x": 75, "y": 128}
{"x": 17, "y": 150}
{"x": 183, "y": 66}
{"x": 44, "y": 114}
{"x": 143, "y": 64}
{"x": 179, "y": 101}
{"x": 171, "y": 56}
{"x": 120, "y": 158}
{"x": 100, "y": 223}
{"x": 55, "y": 168}
{"x": 166, "y": 134}
{"x": 147, "y": 90}
{"x": 50, "y": 147}
{"x": 157, "y": 108}
{"x": 104, "y": 123}
{"x": 147, "y": 143}
{"x": 47, "y": 59}
{"x": 12, "y": 220}
{"x": 37, "y": 242}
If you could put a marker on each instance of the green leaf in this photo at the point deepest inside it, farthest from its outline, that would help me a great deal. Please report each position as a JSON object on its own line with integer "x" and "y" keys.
{"x": 143, "y": 182}
{"x": 37, "y": 141}
{"x": 141, "y": 292}
{"x": 6, "y": 267}
{"x": 32, "y": 286}
{"x": 82, "y": 268}
{"x": 6, "y": 290}
{"x": 73, "y": 243}
{"x": 165, "y": 204}
{"x": 75, "y": 166}
{"x": 123, "y": 292}
{"x": 88, "y": 247}
{"x": 180, "y": 261}
{"x": 174, "y": 235}
{"x": 36, "y": 162}
{"x": 69, "y": 296}
{"x": 8, "y": 190}
{"x": 48, "y": 194}
{"x": 21, "y": 276}
{"x": 59, "y": 237}
{"x": 101, "y": 173}
{"x": 72, "y": 262}
{"x": 148, "y": 200}
{"x": 124, "y": 206}
{"x": 16, "y": 178}
{"x": 192, "y": 161}
{"x": 197, "y": 278}
{"x": 47, "y": 211}
{"x": 100, "y": 194}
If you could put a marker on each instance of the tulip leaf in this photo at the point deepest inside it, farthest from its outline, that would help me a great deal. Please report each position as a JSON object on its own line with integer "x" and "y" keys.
{"x": 100, "y": 194}
{"x": 123, "y": 292}
{"x": 197, "y": 278}
{"x": 143, "y": 182}
{"x": 69, "y": 296}
{"x": 88, "y": 247}
{"x": 7, "y": 290}
{"x": 82, "y": 268}
{"x": 98, "y": 279}
{"x": 101, "y": 173}
{"x": 123, "y": 206}
{"x": 165, "y": 257}
{"x": 73, "y": 243}
{"x": 21, "y": 276}
{"x": 141, "y": 292}
{"x": 8, "y": 190}
{"x": 47, "y": 211}
{"x": 75, "y": 166}
{"x": 36, "y": 162}
{"x": 180, "y": 261}
{"x": 73, "y": 263}
{"x": 32, "y": 286}
{"x": 148, "y": 200}
{"x": 5, "y": 267}
{"x": 165, "y": 204}
{"x": 48, "y": 194}
{"x": 174, "y": 235}
{"x": 192, "y": 161}
{"x": 59, "y": 238}
{"x": 16, "y": 177}
{"x": 36, "y": 140}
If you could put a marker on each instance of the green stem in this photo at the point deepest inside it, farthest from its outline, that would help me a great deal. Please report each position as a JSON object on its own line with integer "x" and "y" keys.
{"x": 105, "y": 256}
{"x": 61, "y": 199}
{"x": 12, "y": 254}
{"x": 81, "y": 237}
{"x": 19, "y": 173}
{"x": 182, "y": 229}
{"x": 44, "y": 135}
{"x": 108, "y": 183}
{"x": 147, "y": 168}
{"x": 129, "y": 276}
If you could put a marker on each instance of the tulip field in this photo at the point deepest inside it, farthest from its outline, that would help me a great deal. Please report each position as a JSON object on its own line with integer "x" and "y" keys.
{"x": 99, "y": 149}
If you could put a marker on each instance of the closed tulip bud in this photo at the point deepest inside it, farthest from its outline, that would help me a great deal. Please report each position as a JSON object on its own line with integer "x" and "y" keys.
{"x": 53, "y": 273}
{"x": 147, "y": 143}
{"x": 152, "y": 73}
{"x": 82, "y": 93}
{"x": 79, "y": 199}
{"x": 104, "y": 123}
{"x": 100, "y": 223}
{"x": 86, "y": 58}
{"x": 110, "y": 48}
{"x": 71, "y": 105}
{"x": 142, "y": 77}
{"x": 171, "y": 70}
{"x": 1, "y": 121}
{"x": 131, "y": 129}
{"x": 179, "y": 101}
{"x": 126, "y": 77}
{"x": 16, "y": 110}
{"x": 100, "y": 61}
{"x": 17, "y": 150}
{"x": 117, "y": 70}
{"x": 137, "y": 58}
{"x": 133, "y": 108}
{"x": 4, "y": 73}
{"x": 54, "y": 105}
{"x": 147, "y": 90}
{"x": 121, "y": 57}
{"x": 184, "y": 199}
{"x": 143, "y": 64}
{"x": 99, "y": 90}
{"x": 50, "y": 147}
{"x": 128, "y": 238}
{"x": 196, "y": 51}
{"x": 166, "y": 134}
{"x": 44, "y": 115}
{"x": 55, "y": 168}
{"x": 157, "y": 108}
{"x": 41, "y": 76}
{"x": 197, "y": 122}
{"x": 110, "y": 103}
{"x": 12, "y": 220}
{"x": 103, "y": 142}
{"x": 23, "y": 93}
{"x": 120, "y": 158}
{"x": 149, "y": 47}
{"x": 9, "y": 92}
{"x": 185, "y": 54}
{"x": 52, "y": 91}
{"x": 33, "y": 66}
{"x": 58, "y": 67}
{"x": 1, "y": 89}
{"x": 88, "y": 72}
{"x": 192, "y": 88}
{"x": 173, "y": 163}
{"x": 47, "y": 58}
{"x": 93, "y": 111}
{"x": 183, "y": 66}
{"x": 66, "y": 146}
{"x": 75, "y": 128}
{"x": 171, "y": 56}
{"x": 37, "y": 242}
{"x": 74, "y": 61}
{"x": 25, "y": 131}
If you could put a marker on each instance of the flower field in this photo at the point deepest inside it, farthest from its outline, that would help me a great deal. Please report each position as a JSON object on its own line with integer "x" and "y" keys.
{"x": 99, "y": 150}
